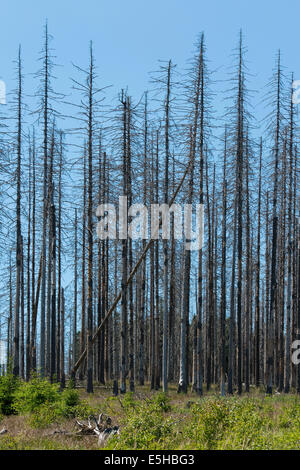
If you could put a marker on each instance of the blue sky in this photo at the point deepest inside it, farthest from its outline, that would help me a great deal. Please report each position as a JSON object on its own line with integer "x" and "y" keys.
{"x": 130, "y": 36}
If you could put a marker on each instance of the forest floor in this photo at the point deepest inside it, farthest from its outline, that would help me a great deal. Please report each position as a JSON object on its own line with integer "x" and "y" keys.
{"x": 153, "y": 420}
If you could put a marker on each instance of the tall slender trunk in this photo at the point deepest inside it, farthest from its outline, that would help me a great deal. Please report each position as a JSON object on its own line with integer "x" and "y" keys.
{"x": 223, "y": 278}
{"x": 257, "y": 283}
{"x": 248, "y": 278}
{"x": 239, "y": 163}
{"x": 89, "y": 386}
{"x": 273, "y": 286}
{"x": 75, "y": 289}
{"x": 33, "y": 338}
{"x": 289, "y": 253}
{"x": 124, "y": 309}
{"x": 28, "y": 321}
{"x": 16, "y": 342}
{"x": 83, "y": 269}
{"x": 45, "y": 208}
{"x": 62, "y": 341}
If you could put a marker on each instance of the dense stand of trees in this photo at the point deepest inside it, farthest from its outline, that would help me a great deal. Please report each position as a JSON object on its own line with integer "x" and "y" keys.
{"x": 127, "y": 312}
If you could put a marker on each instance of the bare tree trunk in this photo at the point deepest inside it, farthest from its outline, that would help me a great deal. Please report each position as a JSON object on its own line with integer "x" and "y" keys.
{"x": 89, "y": 387}
{"x": 51, "y": 301}
{"x": 16, "y": 345}
{"x": 273, "y": 287}
{"x": 232, "y": 307}
{"x": 183, "y": 375}
{"x": 62, "y": 341}
{"x": 28, "y": 322}
{"x": 281, "y": 271}
{"x": 124, "y": 251}
{"x": 289, "y": 253}
{"x": 210, "y": 307}
{"x": 22, "y": 362}
{"x": 257, "y": 284}
{"x": 59, "y": 253}
{"x": 10, "y": 318}
{"x": 45, "y": 208}
{"x": 33, "y": 337}
{"x": 75, "y": 290}
{"x": 239, "y": 157}
{"x": 83, "y": 272}
{"x": 172, "y": 303}
{"x": 248, "y": 277}
{"x": 223, "y": 278}
{"x": 152, "y": 288}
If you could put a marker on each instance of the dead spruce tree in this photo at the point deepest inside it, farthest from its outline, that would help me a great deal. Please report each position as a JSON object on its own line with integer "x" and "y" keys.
{"x": 88, "y": 112}
{"x": 19, "y": 261}
{"x": 129, "y": 312}
{"x": 275, "y": 128}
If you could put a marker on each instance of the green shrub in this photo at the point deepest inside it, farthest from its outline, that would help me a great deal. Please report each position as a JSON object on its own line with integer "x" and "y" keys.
{"x": 67, "y": 405}
{"x": 70, "y": 397}
{"x": 210, "y": 420}
{"x": 31, "y": 395}
{"x": 128, "y": 401}
{"x": 8, "y": 443}
{"x": 145, "y": 426}
{"x": 8, "y": 387}
{"x": 83, "y": 410}
{"x": 162, "y": 401}
{"x": 293, "y": 414}
{"x": 71, "y": 406}
{"x": 44, "y": 415}
{"x": 46, "y": 405}
{"x": 230, "y": 423}
{"x": 289, "y": 440}
{"x": 248, "y": 425}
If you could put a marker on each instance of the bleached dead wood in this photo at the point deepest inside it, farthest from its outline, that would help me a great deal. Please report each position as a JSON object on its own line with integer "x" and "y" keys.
{"x": 101, "y": 427}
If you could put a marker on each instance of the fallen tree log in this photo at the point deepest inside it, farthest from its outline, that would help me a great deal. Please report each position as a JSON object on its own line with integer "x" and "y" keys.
{"x": 102, "y": 428}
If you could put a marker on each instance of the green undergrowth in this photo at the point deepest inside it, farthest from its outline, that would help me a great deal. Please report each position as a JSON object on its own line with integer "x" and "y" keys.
{"x": 211, "y": 423}
{"x": 148, "y": 420}
{"x": 40, "y": 401}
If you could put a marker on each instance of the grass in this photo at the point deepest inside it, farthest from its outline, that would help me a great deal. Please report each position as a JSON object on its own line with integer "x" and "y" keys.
{"x": 152, "y": 420}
